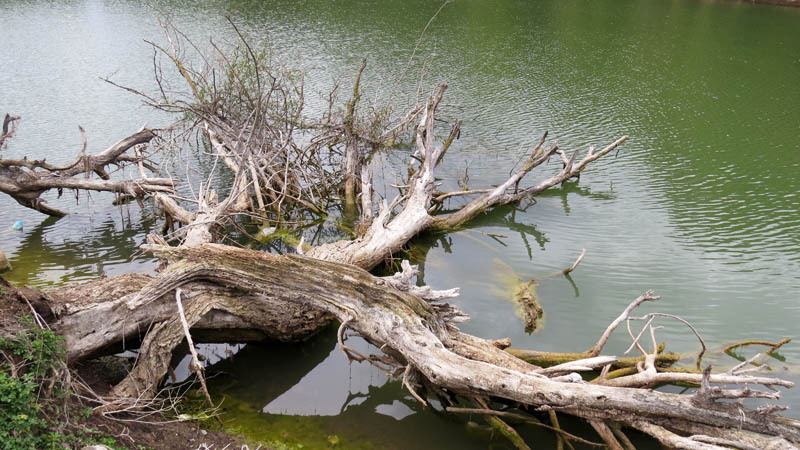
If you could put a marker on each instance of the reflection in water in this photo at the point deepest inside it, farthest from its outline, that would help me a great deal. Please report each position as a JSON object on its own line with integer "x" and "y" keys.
{"x": 264, "y": 372}
{"x": 303, "y": 394}
{"x": 574, "y": 187}
{"x": 56, "y": 251}
{"x": 504, "y": 219}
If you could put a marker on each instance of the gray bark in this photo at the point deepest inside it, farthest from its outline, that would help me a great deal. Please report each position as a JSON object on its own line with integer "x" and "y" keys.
{"x": 407, "y": 329}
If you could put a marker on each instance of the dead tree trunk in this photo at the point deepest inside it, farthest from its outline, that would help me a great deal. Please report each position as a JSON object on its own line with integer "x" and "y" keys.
{"x": 417, "y": 337}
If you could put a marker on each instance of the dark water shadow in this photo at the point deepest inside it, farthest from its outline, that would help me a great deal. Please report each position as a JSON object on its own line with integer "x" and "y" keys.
{"x": 378, "y": 413}
{"x": 262, "y": 372}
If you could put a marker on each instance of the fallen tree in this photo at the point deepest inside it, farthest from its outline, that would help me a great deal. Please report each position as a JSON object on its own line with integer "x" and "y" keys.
{"x": 419, "y": 339}
{"x": 286, "y": 297}
{"x": 225, "y": 293}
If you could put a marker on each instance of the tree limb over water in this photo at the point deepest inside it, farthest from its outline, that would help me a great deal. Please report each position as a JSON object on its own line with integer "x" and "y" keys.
{"x": 26, "y": 180}
{"x": 414, "y": 335}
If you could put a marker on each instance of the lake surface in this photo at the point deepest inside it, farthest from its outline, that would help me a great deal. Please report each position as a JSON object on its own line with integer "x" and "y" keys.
{"x": 702, "y": 204}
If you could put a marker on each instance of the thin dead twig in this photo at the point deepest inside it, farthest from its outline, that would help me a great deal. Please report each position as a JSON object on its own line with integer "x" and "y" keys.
{"x": 648, "y": 296}
{"x": 195, "y": 365}
{"x": 410, "y": 389}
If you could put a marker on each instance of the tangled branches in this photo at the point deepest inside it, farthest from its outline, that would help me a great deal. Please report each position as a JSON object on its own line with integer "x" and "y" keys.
{"x": 250, "y": 111}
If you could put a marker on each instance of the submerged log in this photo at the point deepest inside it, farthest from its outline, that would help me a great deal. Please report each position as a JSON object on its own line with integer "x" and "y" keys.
{"x": 531, "y": 310}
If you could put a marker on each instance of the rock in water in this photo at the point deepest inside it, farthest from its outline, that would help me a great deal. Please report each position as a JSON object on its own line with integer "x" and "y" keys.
{"x": 5, "y": 266}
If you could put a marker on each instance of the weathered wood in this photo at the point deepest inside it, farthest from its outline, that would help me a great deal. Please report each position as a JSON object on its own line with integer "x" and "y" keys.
{"x": 26, "y": 180}
{"x": 410, "y": 331}
{"x": 94, "y": 318}
{"x": 547, "y": 359}
{"x": 289, "y": 296}
{"x": 9, "y": 126}
{"x": 388, "y": 233}
{"x": 501, "y": 195}
{"x": 353, "y": 160}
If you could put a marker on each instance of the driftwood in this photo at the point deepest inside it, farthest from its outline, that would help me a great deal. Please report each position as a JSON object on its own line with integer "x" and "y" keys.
{"x": 387, "y": 234}
{"x": 9, "y": 128}
{"x": 417, "y": 337}
{"x": 229, "y": 293}
{"x": 26, "y": 180}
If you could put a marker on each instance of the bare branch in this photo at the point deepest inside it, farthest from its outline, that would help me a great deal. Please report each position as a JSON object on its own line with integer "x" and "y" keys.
{"x": 648, "y": 296}
{"x": 195, "y": 365}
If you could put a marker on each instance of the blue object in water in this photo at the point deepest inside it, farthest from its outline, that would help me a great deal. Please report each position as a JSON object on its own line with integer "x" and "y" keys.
{"x": 17, "y": 225}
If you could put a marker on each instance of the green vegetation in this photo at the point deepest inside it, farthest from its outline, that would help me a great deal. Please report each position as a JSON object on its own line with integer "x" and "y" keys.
{"x": 277, "y": 432}
{"x": 35, "y": 407}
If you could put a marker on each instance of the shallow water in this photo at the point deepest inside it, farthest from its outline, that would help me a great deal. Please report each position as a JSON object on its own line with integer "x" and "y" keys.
{"x": 701, "y": 204}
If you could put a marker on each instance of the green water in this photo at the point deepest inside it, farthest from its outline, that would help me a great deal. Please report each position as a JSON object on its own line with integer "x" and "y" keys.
{"x": 701, "y": 204}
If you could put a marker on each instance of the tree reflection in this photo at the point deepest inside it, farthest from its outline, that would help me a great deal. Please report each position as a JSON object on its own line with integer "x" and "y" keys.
{"x": 82, "y": 247}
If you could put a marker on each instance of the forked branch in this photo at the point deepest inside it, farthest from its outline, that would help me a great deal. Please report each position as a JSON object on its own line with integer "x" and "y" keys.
{"x": 26, "y": 180}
